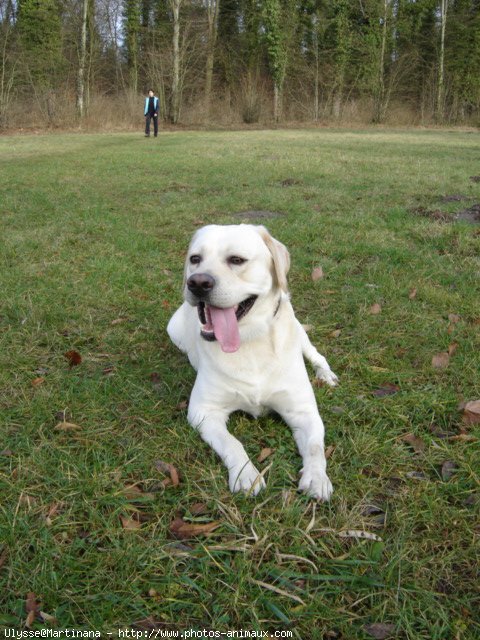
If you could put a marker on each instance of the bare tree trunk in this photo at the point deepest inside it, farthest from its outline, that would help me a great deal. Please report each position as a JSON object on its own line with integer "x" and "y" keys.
{"x": 316, "y": 88}
{"x": 213, "y": 7}
{"x": 439, "y": 107}
{"x": 82, "y": 61}
{"x": 175, "y": 107}
{"x": 277, "y": 102}
{"x": 379, "y": 106}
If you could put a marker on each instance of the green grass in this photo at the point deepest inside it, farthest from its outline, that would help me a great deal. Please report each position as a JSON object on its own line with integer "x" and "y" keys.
{"x": 94, "y": 229}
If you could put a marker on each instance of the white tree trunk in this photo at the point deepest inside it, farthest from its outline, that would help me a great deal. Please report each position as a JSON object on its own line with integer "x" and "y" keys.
{"x": 441, "y": 61}
{"x": 82, "y": 62}
{"x": 213, "y": 7}
{"x": 175, "y": 109}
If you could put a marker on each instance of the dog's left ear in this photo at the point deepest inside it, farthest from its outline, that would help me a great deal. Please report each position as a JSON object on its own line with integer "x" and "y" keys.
{"x": 280, "y": 255}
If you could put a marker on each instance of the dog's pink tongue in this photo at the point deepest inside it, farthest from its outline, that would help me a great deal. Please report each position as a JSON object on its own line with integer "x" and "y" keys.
{"x": 225, "y": 327}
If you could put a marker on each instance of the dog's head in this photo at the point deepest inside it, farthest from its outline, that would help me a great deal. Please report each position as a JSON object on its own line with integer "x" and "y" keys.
{"x": 234, "y": 275}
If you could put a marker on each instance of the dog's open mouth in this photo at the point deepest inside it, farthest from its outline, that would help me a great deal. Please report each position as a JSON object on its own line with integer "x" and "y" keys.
{"x": 222, "y": 323}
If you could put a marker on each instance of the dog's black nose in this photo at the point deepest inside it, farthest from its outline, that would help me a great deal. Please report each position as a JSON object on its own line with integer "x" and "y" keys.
{"x": 200, "y": 284}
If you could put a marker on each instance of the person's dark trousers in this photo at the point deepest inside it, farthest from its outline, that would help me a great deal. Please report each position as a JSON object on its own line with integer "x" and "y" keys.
{"x": 149, "y": 117}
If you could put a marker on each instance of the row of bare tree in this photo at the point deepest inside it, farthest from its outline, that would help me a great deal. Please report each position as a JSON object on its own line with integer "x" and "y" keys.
{"x": 228, "y": 61}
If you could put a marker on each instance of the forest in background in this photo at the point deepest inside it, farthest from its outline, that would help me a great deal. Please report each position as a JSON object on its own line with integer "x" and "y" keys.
{"x": 88, "y": 63}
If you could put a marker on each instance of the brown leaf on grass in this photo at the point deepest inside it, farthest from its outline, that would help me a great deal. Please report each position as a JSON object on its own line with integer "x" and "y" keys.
{"x": 329, "y": 450}
{"x": 117, "y": 321}
{"x": 441, "y": 360}
{"x": 414, "y": 441}
{"x": 471, "y": 412}
{"x": 335, "y": 333}
{"x": 264, "y": 454}
{"x": 307, "y": 327}
{"x": 375, "y": 309}
{"x": 182, "y": 405}
{"x": 184, "y": 530}
{"x": 46, "y": 617}
{"x": 32, "y": 608}
{"x": 67, "y": 426}
{"x": 168, "y": 469}
{"x": 412, "y": 294}
{"x": 53, "y": 511}
{"x": 36, "y": 382}
{"x": 73, "y": 357}
{"x": 317, "y": 273}
{"x": 130, "y": 524}
{"x": 6, "y": 452}
{"x": 133, "y": 491}
{"x": 26, "y": 500}
{"x": 448, "y": 469}
{"x": 199, "y": 509}
{"x": 452, "y": 348}
{"x": 454, "y": 318}
{"x": 380, "y": 630}
{"x": 387, "y": 389}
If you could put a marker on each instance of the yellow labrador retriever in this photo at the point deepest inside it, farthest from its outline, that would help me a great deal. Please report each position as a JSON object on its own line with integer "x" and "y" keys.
{"x": 240, "y": 333}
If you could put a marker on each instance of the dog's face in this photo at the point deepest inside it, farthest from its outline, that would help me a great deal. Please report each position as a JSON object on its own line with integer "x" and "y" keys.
{"x": 233, "y": 274}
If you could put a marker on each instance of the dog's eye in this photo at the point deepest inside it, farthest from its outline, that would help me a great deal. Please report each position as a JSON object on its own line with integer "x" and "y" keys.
{"x": 236, "y": 260}
{"x": 195, "y": 259}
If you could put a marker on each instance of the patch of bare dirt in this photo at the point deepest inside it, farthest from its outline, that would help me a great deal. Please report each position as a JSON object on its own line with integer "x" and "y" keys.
{"x": 432, "y": 214}
{"x": 457, "y": 197}
{"x": 472, "y": 214}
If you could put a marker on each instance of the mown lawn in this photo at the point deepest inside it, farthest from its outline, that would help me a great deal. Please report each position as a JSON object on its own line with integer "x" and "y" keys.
{"x": 93, "y": 233}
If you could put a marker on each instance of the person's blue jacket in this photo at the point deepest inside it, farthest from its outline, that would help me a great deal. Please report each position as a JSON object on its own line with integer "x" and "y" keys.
{"x": 155, "y": 104}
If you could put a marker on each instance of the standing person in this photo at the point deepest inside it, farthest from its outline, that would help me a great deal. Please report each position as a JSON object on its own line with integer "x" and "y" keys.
{"x": 151, "y": 111}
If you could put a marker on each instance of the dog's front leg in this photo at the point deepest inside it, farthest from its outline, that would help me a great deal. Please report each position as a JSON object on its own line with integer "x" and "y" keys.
{"x": 308, "y": 431}
{"x": 212, "y": 426}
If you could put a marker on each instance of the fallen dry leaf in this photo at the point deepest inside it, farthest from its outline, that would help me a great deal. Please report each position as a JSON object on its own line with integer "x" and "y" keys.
{"x": 380, "y": 630}
{"x": 73, "y": 357}
{"x": 375, "y": 309}
{"x": 46, "y": 617}
{"x": 414, "y": 441}
{"x": 440, "y": 360}
{"x": 67, "y": 426}
{"x": 28, "y": 501}
{"x": 168, "y": 469}
{"x": 335, "y": 333}
{"x": 36, "y": 382}
{"x": 454, "y": 318}
{"x": 32, "y": 608}
{"x": 387, "y": 389}
{"x": 117, "y": 321}
{"x": 471, "y": 412}
{"x": 317, "y": 273}
{"x": 130, "y": 524}
{"x": 184, "y": 530}
{"x": 452, "y": 348}
{"x": 329, "y": 450}
{"x": 448, "y": 469}
{"x": 6, "y": 452}
{"x": 412, "y": 294}
{"x": 199, "y": 509}
{"x": 264, "y": 454}
{"x": 181, "y": 406}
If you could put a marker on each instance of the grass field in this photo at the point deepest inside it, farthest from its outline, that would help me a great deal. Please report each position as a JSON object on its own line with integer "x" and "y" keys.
{"x": 93, "y": 233}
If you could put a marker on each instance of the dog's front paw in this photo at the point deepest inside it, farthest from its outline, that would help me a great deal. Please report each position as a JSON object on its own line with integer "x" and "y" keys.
{"x": 327, "y": 376}
{"x": 245, "y": 478}
{"x": 315, "y": 484}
